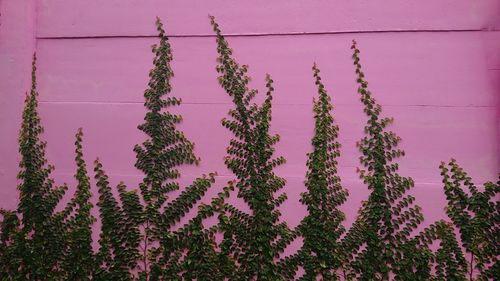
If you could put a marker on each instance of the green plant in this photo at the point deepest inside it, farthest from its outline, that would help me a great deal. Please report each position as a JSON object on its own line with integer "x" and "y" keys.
{"x": 158, "y": 157}
{"x": 321, "y": 229}
{"x": 10, "y": 258}
{"x": 476, "y": 214}
{"x": 78, "y": 259}
{"x": 37, "y": 242}
{"x": 447, "y": 261}
{"x": 120, "y": 236}
{"x": 39, "y": 239}
{"x": 388, "y": 217}
{"x": 253, "y": 241}
{"x": 203, "y": 260}
{"x": 450, "y": 263}
{"x": 141, "y": 236}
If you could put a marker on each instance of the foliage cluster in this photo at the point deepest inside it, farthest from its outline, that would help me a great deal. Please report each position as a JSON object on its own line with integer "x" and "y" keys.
{"x": 141, "y": 237}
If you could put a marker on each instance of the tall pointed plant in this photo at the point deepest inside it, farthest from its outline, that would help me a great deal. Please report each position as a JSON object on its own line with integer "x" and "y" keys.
{"x": 253, "y": 241}
{"x": 165, "y": 149}
{"x": 387, "y": 219}
{"x": 321, "y": 228}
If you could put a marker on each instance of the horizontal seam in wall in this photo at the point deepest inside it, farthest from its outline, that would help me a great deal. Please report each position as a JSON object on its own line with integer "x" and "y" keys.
{"x": 185, "y": 176}
{"x": 267, "y": 34}
{"x": 276, "y": 104}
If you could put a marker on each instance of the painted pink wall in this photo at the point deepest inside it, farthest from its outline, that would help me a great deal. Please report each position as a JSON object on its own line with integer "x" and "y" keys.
{"x": 433, "y": 65}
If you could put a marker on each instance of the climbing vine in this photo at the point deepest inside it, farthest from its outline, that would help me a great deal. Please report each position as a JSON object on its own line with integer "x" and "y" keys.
{"x": 256, "y": 240}
{"x": 388, "y": 217}
{"x": 145, "y": 233}
{"x": 78, "y": 250}
{"x": 476, "y": 214}
{"x": 158, "y": 157}
{"x": 37, "y": 242}
{"x": 322, "y": 228}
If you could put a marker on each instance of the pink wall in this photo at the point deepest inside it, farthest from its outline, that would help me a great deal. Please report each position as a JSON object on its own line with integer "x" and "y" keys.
{"x": 433, "y": 65}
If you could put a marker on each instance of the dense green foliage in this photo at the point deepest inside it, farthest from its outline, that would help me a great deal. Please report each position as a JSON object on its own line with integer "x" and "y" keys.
{"x": 119, "y": 238}
{"x": 256, "y": 240}
{"x": 145, "y": 233}
{"x": 40, "y": 237}
{"x": 388, "y": 217}
{"x": 79, "y": 260}
{"x": 476, "y": 214}
{"x": 139, "y": 239}
{"x": 165, "y": 149}
{"x": 38, "y": 242}
{"x": 321, "y": 229}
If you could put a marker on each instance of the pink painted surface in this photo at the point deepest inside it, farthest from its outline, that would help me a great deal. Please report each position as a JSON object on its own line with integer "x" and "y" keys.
{"x": 433, "y": 65}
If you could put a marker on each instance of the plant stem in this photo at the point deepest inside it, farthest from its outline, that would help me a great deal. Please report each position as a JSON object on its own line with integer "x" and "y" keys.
{"x": 471, "y": 265}
{"x": 145, "y": 252}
